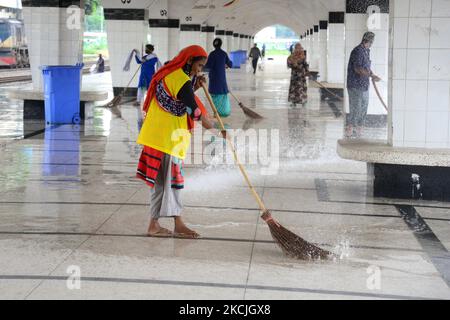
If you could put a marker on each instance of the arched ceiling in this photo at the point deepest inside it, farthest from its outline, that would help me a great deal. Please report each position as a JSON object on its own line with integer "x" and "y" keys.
{"x": 250, "y": 16}
{"x": 243, "y": 16}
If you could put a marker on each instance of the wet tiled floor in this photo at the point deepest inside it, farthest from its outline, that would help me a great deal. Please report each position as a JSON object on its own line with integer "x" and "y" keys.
{"x": 68, "y": 198}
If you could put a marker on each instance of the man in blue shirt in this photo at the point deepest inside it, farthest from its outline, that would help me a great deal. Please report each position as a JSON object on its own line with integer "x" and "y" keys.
{"x": 358, "y": 80}
{"x": 218, "y": 61}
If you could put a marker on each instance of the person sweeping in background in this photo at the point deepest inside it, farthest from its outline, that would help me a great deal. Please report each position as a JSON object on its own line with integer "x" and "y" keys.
{"x": 359, "y": 73}
{"x": 218, "y": 62}
{"x": 171, "y": 108}
{"x": 298, "y": 89}
{"x": 150, "y": 64}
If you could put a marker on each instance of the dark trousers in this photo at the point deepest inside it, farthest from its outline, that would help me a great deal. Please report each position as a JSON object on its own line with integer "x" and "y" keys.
{"x": 255, "y": 65}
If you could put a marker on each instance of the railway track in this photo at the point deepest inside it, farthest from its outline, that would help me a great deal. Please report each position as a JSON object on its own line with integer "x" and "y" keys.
{"x": 24, "y": 78}
{"x": 4, "y": 80}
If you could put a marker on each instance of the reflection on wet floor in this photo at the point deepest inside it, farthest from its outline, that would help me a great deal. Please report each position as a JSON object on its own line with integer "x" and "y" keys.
{"x": 68, "y": 196}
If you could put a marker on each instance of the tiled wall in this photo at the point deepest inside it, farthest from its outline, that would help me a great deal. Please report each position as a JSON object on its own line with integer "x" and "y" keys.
{"x": 124, "y": 36}
{"x": 210, "y": 36}
{"x": 315, "y": 52}
{"x": 50, "y": 41}
{"x": 380, "y": 65}
{"x": 174, "y": 42}
{"x": 323, "y": 44}
{"x": 420, "y": 89}
{"x": 336, "y": 53}
{"x": 188, "y": 38}
{"x": 235, "y": 43}
{"x": 230, "y": 43}
{"x": 306, "y": 45}
{"x": 160, "y": 39}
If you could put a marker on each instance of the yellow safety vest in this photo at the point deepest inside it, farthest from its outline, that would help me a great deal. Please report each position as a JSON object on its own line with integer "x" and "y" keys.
{"x": 162, "y": 130}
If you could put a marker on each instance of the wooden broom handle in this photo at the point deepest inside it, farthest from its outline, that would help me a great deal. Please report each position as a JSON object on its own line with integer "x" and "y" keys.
{"x": 379, "y": 95}
{"x": 235, "y": 98}
{"x": 261, "y": 204}
{"x": 134, "y": 76}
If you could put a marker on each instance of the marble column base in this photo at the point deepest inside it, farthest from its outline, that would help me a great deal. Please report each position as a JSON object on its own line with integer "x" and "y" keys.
{"x": 131, "y": 92}
{"x": 35, "y": 110}
{"x": 410, "y": 182}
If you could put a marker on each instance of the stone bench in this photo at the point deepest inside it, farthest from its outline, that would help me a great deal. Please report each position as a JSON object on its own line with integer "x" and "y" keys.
{"x": 402, "y": 173}
{"x": 34, "y": 106}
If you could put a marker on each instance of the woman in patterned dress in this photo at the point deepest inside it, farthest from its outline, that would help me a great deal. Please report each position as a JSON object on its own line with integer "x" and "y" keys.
{"x": 298, "y": 90}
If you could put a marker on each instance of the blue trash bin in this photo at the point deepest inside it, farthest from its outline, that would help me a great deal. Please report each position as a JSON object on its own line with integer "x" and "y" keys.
{"x": 242, "y": 56}
{"x": 62, "y": 94}
{"x": 235, "y": 58}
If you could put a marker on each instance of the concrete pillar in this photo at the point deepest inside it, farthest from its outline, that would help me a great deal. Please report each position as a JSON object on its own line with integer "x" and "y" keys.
{"x": 190, "y": 34}
{"x": 54, "y": 33}
{"x": 229, "y": 39}
{"x": 174, "y": 41}
{"x": 323, "y": 50}
{"x": 307, "y": 45}
{"x": 336, "y": 48}
{"x": 371, "y": 15}
{"x": 126, "y": 29}
{"x": 210, "y": 35}
{"x": 242, "y": 45}
{"x": 419, "y": 87}
{"x": 315, "y": 49}
{"x": 248, "y": 43}
{"x": 235, "y": 42}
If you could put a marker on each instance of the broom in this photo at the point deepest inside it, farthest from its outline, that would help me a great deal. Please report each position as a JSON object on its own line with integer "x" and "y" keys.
{"x": 379, "y": 95}
{"x": 117, "y": 100}
{"x": 248, "y": 112}
{"x": 291, "y": 244}
{"x": 342, "y": 99}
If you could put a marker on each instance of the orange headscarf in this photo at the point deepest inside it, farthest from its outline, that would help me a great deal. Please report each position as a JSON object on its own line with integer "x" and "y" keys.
{"x": 177, "y": 63}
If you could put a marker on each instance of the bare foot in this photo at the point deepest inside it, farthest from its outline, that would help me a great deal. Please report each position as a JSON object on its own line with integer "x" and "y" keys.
{"x": 155, "y": 230}
{"x": 182, "y": 231}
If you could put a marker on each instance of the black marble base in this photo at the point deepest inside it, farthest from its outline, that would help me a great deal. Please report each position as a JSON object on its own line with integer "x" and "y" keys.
{"x": 130, "y": 92}
{"x": 410, "y": 182}
{"x": 314, "y": 75}
{"x": 51, "y": 3}
{"x": 35, "y": 110}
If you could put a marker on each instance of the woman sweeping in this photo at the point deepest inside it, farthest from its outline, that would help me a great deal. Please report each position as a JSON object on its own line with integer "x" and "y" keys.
{"x": 150, "y": 64}
{"x": 171, "y": 108}
{"x": 298, "y": 90}
{"x": 218, "y": 61}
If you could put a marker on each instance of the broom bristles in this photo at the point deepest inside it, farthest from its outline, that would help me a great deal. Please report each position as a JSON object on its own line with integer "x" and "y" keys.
{"x": 293, "y": 245}
{"x": 114, "y": 102}
{"x": 250, "y": 113}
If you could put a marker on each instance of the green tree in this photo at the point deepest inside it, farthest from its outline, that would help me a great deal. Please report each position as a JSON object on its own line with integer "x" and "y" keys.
{"x": 90, "y": 6}
{"x": 95, "y": 20}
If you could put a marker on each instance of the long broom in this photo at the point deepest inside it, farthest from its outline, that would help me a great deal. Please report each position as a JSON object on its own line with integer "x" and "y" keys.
{"x": 379, "y": 95}
{"x": 291, "y": 244}
{"x": 342, "y": 99}
{"x": 247, "y": 111}
{"x": 114, "y": 103}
